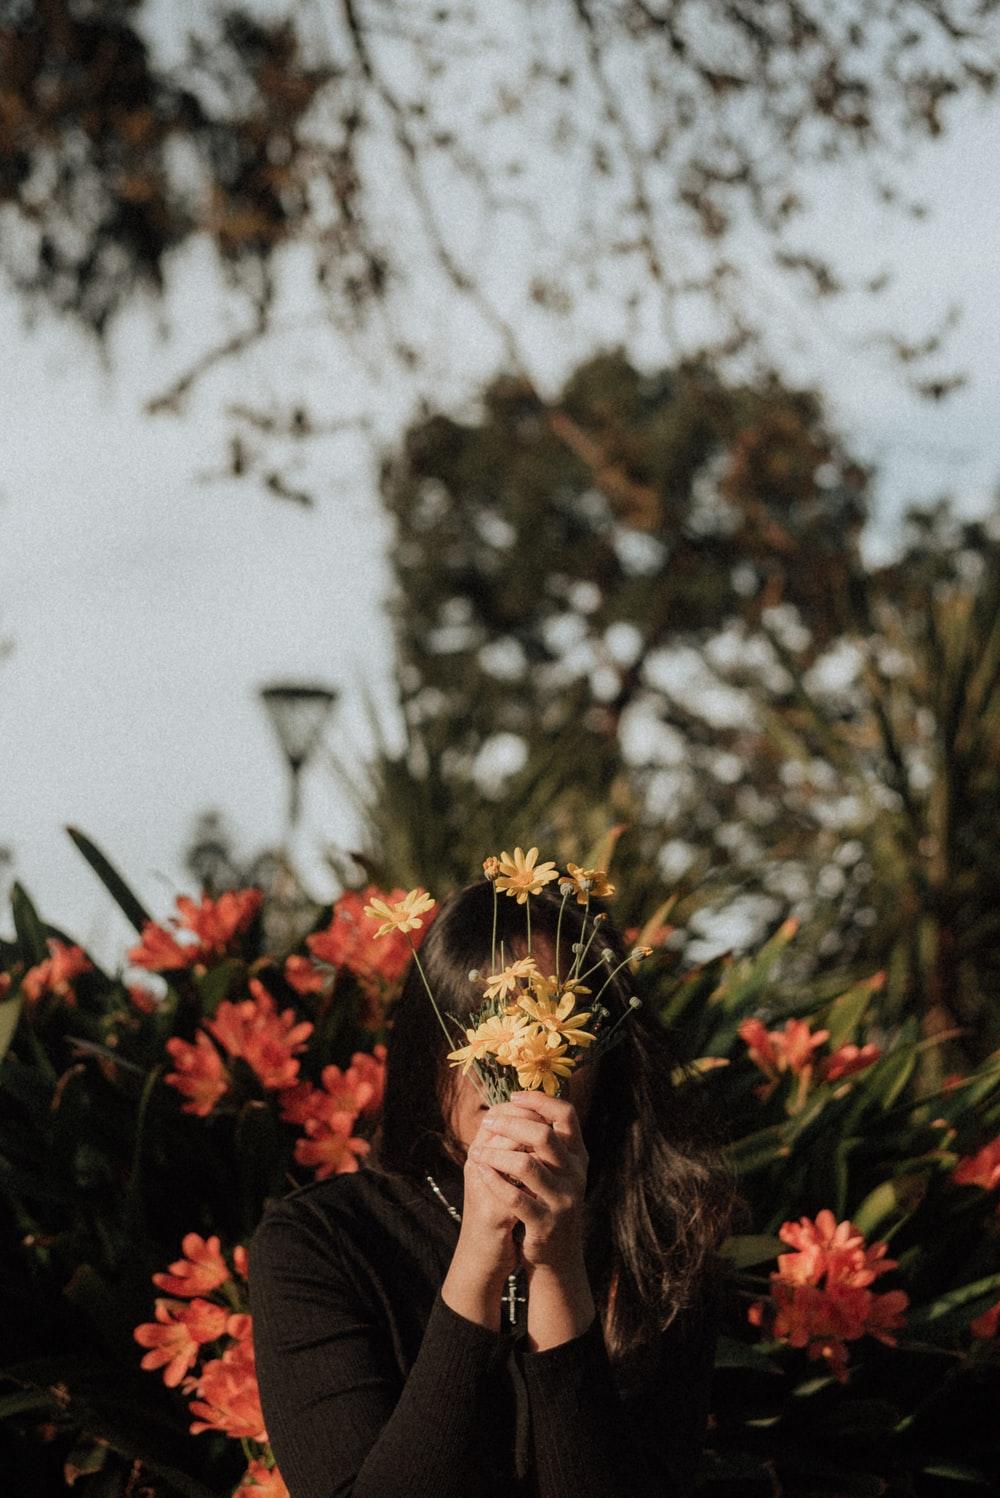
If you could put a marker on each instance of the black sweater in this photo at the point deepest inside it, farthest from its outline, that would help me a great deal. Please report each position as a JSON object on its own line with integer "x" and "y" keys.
{"x": 373, "y": 1387}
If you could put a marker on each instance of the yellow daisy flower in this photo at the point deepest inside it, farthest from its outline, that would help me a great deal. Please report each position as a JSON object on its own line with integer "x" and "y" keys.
{"x": 539, "y": 1065}
{"x": 403, "y": 915}
{"x": 493, "y": 1036}
{"x": 557, "y": 1020}
{"x": 501, "y": 984}
{"x": 519, "y": 875}
{"x": 549, "y": 987}
{"x": 598, "y": 885}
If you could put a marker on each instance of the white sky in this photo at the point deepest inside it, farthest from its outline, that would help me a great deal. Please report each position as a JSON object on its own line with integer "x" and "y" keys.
{"x": 146, "y": 607}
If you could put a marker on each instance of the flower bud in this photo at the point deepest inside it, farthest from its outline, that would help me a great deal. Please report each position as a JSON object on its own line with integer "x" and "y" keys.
{"x": 607, "y": 955}
{"x": 473, "y": 974}
{"x": 634, "y": 1003}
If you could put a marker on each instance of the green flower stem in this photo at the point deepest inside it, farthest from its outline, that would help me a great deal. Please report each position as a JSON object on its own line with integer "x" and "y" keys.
{"x": 527, "y": 912}
{"x": 579, "y": 956}
{"x": 493, "y": 944}
{"x": 562, "y": 907}
{"x": 612, "y": 974}
{"x": 450, "y": 1038}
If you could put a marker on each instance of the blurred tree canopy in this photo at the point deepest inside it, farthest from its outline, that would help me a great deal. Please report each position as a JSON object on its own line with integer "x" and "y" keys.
{"x": 646, "y": 601}
{"x": 377, "y": 136}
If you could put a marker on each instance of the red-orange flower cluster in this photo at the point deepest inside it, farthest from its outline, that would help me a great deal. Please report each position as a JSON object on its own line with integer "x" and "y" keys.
{"x": 228, "y": 1400}
{"x": 209, "y": 929}
{"x": 349, "y": 942}
{"x": 260, "y": 1481}
{"x": 980, "y": 1169}
{"x": 328, "y": 1113}
{"x": 55, "y": 975}
{"x": 987, "y": 1324}
{"x": 821, "y": 1296}
{"x": 269, "y": 1042}
{"x": 792, "y": 1049}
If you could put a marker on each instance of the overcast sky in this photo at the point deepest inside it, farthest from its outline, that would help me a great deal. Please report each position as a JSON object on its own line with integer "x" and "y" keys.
{"x": 146, "y": 605}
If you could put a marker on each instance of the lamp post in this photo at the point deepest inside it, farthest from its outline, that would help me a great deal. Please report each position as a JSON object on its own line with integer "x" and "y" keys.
{"x": 298, "y": 713}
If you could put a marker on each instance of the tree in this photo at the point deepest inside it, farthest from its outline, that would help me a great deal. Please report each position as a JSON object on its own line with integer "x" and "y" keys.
{"x": 376, "y": 137}
{"x": 645, "y": 603}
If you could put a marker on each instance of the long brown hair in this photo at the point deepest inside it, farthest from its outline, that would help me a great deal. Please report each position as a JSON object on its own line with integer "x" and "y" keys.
{"x": 659, "y": 1198}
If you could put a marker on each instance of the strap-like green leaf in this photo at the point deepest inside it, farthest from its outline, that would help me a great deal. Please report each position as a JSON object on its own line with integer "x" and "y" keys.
{"x": 113, "y": 882}
{"x": 28, "y": 925}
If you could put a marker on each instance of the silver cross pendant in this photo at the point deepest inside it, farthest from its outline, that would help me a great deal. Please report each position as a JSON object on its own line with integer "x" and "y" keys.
{"x": 511, "y": 1299}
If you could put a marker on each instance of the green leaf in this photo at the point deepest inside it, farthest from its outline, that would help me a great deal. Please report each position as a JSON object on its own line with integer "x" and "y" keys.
{"x": 902, "y": 1194}
{"x": 729, "y": 1353}
{"x": 219, "y": 982}
{"x": 887, "y": 1078}
{"x": 10, "y": 1013}
{"x": 113, "y": 882}
{"x": 28, "y": 925}
{"x": 958, "y": 1472}
{"x": 24, "y": 1402}
{"x": 747, "y": 977}
{"x": 953, "y": 1300}
{"x": 742, "y": 1250}
{"x": 846, "y": 1012}
{"x": 87, "y": 1457}
{"x": 758, "y": 1149}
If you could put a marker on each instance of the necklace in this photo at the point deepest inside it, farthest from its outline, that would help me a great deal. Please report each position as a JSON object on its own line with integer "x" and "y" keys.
{"x": 510, "y": 1299}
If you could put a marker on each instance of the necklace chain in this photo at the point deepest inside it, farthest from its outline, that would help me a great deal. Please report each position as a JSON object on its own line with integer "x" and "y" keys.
{"x": 510, "y": 1298}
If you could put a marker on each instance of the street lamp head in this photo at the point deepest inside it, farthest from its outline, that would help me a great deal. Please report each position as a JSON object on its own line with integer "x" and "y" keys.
{"x": 298, "y": 713}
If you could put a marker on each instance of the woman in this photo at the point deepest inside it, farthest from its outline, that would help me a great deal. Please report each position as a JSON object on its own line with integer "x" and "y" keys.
{"x": 514, "y": 1301}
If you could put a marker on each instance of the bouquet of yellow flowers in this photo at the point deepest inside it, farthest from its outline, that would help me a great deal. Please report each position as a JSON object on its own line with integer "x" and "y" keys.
{"x": 528, "y": 1033}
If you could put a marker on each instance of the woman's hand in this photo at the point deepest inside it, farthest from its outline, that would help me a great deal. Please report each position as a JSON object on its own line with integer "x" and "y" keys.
{"x": 536, "y": 1169}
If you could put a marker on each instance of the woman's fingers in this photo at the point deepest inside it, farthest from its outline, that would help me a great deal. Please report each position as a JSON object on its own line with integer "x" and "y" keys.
{"x": 532, "y": 1134}
{"x": 511, "y": 1193}
{"x": 554, "y": 1110}
{"x": 532, "y": 1172}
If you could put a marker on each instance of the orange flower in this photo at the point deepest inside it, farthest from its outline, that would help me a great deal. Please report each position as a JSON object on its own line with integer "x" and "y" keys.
{"x": 230, "y": 1401}
{"x": 260, "y": 1481}
{"x": 779, "y": 1051}
{"x": 820, "y": 1296}
{"x": 176, "y": 1335}
{"x": 267, "y": 1041}
{"x": 341, "y": 1092}
{"x": 143, "y": 1000}
{"x": 371, "y": 1068}
{"x": 847, "y": 1059}
{"x": 349, "y": 940}
{"x": 202, "y": 1270}
{"x": 217, "y": 922}
{"x": 56, "y": 974}
{"x": 214, "y": 922}
{"x": 161, "y": 952}
{"x": 987, "y": 1324}
{"x": 330, "y": 1147}
{"x": 980, "y": 1169}
{"x": 201, "y": 1074}
{"x": 825, "y": 1246}
{"x": 302, "y": 976}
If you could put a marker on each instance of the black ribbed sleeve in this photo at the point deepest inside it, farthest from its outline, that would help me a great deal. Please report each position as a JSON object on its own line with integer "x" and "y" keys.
{"x": 590, "y": 1440}
{"x": 372, "y": 1386}
{"x": 339, "y": 1424}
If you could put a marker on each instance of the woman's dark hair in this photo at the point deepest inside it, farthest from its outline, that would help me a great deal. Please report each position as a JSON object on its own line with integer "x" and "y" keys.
{"x": 655, "y": 1175}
